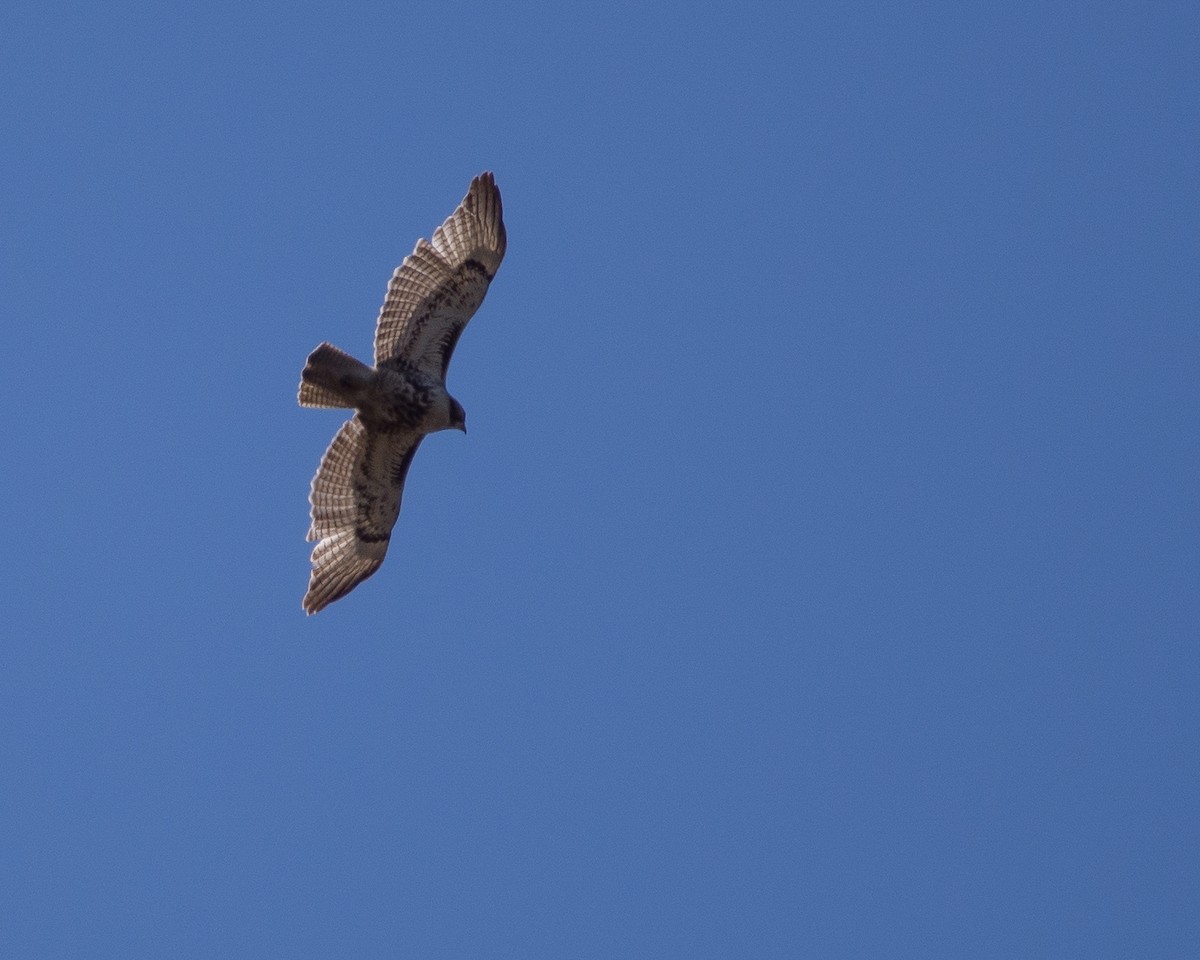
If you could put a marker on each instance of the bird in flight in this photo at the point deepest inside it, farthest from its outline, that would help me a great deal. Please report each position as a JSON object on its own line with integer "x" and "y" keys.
{"x": 356, "y": 492}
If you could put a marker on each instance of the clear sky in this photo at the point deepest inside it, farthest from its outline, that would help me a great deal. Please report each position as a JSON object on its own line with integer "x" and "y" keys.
{"x": 818, "y": 577}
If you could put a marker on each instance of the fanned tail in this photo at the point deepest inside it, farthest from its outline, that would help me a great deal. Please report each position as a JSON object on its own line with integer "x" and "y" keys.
{"x": 332, "y": 378}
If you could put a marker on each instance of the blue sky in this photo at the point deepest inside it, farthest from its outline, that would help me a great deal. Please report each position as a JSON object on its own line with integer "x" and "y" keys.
{"x": 818, "y": 577}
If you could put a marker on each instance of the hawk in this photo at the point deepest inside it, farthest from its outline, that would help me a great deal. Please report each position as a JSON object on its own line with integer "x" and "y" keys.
{"x": 356, "y": 492}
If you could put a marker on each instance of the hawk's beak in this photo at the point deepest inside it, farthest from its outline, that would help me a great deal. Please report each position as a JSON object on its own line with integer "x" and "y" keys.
{"x": 463, "y": 426}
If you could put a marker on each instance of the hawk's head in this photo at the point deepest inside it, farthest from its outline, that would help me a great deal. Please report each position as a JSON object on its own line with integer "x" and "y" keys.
{"x": 458, "y": 416}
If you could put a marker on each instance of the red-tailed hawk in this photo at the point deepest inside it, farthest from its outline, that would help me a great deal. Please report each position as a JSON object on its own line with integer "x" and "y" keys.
{"x": 356, "y": 493}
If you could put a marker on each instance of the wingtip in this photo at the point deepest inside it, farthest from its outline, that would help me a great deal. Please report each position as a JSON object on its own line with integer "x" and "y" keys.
{"x": 484, "y": 181}
{"x": 312, "y": 603}
{"x": 483, "y": 200}
{"x": 315, "y": 602}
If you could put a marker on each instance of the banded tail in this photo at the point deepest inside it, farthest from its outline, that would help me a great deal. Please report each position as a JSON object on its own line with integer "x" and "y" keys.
{"x": 332, "y": 378}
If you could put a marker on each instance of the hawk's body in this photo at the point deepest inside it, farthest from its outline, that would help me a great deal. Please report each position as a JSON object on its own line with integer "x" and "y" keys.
{"x": 433, "y": 293}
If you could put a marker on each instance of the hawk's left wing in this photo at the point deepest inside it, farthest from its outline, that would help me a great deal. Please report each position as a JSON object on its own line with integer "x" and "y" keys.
{"x": 438, "y": 287}
{"x": 355, "y": 501}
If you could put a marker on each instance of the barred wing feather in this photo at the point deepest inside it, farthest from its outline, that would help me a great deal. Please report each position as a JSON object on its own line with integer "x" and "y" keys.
{"x": 441, "y": 284}
{"x": 355, "y": 501}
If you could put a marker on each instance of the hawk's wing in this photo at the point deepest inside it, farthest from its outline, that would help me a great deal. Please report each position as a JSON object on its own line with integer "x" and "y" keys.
{"x": 355, "y": 501}
{"x": 437, "y": 288}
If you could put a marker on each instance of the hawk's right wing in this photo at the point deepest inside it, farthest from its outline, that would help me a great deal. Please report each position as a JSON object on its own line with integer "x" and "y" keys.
{"x": 441, "y": 284}
{"x": 355, "y": 502}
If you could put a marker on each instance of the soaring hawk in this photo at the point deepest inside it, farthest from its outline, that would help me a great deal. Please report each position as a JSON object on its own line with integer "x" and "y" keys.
{"x": 356, "y": 492}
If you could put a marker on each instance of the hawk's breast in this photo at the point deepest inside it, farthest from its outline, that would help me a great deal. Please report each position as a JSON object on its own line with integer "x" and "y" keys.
{"x": 404, "y": 399}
